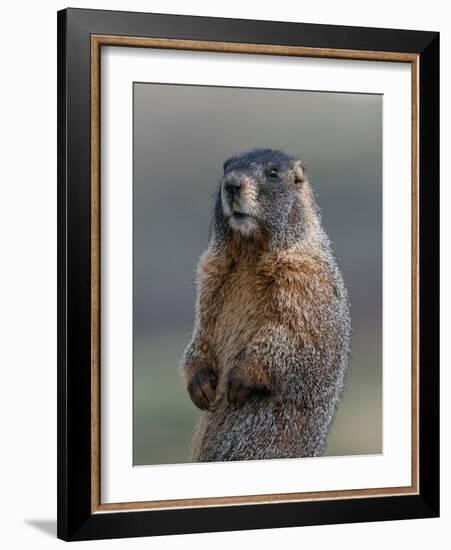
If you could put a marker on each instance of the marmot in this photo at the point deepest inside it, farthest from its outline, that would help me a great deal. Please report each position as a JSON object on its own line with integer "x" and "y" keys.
{"x": 270, "y": 346}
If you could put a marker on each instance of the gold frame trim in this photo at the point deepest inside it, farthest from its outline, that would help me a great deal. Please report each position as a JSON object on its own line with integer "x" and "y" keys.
{"x": 97, "y": 41}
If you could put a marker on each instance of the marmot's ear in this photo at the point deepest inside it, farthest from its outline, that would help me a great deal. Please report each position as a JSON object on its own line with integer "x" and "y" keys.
{"x": 299, "y": 172}
{"x": 226, "y": 165}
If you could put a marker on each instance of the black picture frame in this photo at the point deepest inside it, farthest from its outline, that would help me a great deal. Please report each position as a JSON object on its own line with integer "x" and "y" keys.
{"x": 76, "y": 521}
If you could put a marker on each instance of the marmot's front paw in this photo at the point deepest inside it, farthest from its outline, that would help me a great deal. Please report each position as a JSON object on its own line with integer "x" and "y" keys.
{"x": 202, "y": 388}
{"x": 239, "y": 389}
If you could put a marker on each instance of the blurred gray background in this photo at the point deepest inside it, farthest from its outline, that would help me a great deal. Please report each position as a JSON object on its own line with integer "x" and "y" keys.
{"x": 182, "y": 135}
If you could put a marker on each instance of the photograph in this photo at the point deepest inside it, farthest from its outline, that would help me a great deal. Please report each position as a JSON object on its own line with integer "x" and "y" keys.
{"x": 248, "y": 252}
{"x": 222, "y": 299}
{"x": 257, "y": 273}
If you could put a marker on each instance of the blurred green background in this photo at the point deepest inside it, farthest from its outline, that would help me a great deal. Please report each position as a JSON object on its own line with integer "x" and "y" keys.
{"x": 182, "y": 135}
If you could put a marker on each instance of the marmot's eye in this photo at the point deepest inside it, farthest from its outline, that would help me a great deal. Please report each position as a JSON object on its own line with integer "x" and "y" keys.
{"x": 273, "y": 173}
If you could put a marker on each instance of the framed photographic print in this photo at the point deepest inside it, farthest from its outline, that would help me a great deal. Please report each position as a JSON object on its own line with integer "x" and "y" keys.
{"x": 248, "y": 274}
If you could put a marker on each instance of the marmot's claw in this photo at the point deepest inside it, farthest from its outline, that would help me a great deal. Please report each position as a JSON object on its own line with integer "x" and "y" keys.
{"x": 202, "y": 388}
{"x": 240, "y": 390}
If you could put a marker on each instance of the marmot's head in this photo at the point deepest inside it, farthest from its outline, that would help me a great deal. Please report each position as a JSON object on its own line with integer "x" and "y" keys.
{"x": 261, "y": 192}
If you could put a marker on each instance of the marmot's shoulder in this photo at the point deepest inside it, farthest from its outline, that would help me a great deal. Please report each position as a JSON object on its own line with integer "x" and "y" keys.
{"x": 211, "y": 263}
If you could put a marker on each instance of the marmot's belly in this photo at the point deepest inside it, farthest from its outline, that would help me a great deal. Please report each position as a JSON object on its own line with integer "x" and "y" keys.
{"x": 241, "y": 316}
{"x": 258, "y": 430}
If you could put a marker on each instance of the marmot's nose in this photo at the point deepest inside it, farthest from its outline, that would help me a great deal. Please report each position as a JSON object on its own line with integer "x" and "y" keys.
{"x": 232, "y": 185}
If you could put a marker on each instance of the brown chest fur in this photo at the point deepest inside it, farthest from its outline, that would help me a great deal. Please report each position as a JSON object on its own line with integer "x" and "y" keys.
{"x": 242, "y": 307}
{"x": 250, "y": 293}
